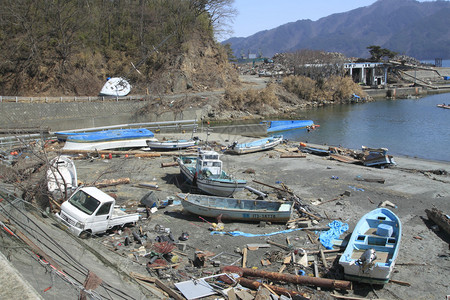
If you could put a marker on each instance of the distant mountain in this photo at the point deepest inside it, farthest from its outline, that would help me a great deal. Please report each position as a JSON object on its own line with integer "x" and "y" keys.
{"x": 417, "y": 29}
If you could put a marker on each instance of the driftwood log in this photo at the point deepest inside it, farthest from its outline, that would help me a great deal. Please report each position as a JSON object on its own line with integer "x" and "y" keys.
{"x": 438, "y": 217}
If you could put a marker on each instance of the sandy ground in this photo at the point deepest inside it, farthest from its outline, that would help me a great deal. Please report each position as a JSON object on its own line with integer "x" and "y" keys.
{"x": 423, "y": 261}
{"x": 424, "y": 258}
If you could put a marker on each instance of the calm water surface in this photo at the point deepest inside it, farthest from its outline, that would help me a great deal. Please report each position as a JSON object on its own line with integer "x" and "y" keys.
{"x": 409, "y": 127}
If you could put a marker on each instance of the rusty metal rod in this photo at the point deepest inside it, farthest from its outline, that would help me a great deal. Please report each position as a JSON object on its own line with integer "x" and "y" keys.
{"x": 305, "y": 280}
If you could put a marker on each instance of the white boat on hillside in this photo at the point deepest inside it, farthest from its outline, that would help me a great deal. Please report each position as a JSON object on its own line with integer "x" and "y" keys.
{"x": 373, "y": 247}
{"x": 61, "y": 177}
{"x": 116, "y": 86}
{"x": 255, "y": 146}
{"x": 205, "y": 172}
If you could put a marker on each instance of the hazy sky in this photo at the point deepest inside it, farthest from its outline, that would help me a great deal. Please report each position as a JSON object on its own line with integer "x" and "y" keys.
{"x": 257, "y": 15}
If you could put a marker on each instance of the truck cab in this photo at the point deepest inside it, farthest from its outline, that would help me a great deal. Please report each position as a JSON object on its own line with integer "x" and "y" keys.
{"x": 91, "y": 211}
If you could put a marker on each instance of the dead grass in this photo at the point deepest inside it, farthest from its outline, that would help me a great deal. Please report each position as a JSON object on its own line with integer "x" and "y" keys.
{"x": 334, "y": 88}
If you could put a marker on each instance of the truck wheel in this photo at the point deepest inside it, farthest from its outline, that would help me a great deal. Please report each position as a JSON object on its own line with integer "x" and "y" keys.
{"x": 85, "y": 234}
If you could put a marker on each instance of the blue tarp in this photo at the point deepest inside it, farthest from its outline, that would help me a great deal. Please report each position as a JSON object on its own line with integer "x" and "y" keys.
{"x": 336, "y": 229}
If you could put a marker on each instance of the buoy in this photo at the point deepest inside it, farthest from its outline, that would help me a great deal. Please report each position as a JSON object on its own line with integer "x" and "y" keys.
{"x": 110, "y": 156}
{"x": 103, "y": 156}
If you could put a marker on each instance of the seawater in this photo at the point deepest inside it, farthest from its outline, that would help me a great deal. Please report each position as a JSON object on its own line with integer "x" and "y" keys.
{"x": 407, "y": 127}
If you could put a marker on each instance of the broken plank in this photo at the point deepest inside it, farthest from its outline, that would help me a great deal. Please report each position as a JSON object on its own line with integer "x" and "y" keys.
{"x": 170, "y": 164}
{"x": 112, "y": 182}
{"x": 168, "y": 290}
{"x": 287, "y": 155}
{"x": 142, "y": 277}
{"x": 244, "y": 257}
{"x": 324, "y": 260}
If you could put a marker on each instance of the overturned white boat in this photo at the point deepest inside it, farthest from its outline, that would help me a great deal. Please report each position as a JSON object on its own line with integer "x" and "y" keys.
{"x": 61, "y": 177}
{"x": 116, "y": 86}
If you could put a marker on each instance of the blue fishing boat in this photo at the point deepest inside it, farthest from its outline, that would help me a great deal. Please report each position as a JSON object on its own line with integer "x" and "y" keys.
{"x": 258, "y": 145}
{"x": 237, "y": 209}
{"x": 109, "y": 139}
{"x": 282, "y": 125}
{"x": 313, "y": 150}
{"x": 373, "y": 247}
{"x": 205, "y": 172}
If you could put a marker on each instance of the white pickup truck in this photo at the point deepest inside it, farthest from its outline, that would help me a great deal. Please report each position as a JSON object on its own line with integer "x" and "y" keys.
{"x": 90, "y": 211}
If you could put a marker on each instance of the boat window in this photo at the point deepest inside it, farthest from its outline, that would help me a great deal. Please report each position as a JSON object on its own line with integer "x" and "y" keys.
{"x": 84, "y": 202}
{"x": 216, "y": 164}
{"x": 104, "y": 209}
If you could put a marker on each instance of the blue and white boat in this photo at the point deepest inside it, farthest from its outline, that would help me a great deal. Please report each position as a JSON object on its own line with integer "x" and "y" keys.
{"x": 205, "y": 172}
{"x": 237, "y": 209}
{"x": 282, "y": 125}
{"x": 258, "y": 145}
{"x": 373, "y": 247}
{"x": 109, "y": 139}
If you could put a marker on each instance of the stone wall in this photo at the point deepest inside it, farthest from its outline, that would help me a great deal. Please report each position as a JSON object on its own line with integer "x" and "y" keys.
{"x": 75, "y": 115}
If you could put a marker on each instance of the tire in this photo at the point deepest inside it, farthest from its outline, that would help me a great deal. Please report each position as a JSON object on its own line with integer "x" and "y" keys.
{"x": 85, "y": 235}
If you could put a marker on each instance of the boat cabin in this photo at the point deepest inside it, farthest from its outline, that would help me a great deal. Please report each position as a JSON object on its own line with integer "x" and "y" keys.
{"x": 209, "y": 163}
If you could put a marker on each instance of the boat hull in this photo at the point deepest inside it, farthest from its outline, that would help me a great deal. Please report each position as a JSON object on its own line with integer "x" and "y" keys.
{"x": 237, "y": 209}
{"x": 61, "y": 177}
{"x": 170, "y": 145}
{"x": 282, "y": 125}
{"x": 224, "y": 187}
{"x": 109, "y": 139}
{"x": 258, "y": 145}
{"x": 379, "y": 230}
{"x": 116, "y": 86}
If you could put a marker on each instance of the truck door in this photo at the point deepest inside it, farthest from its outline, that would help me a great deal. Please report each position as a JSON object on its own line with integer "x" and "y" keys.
{"x": 101, "y": 218}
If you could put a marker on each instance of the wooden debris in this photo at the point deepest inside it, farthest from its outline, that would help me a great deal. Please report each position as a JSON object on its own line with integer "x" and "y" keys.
{"x": 404, "y": 283}
{"x": 112, "y": 182}
{"x": 438, "y": 217}
{"x": 344, "y": 159}
{"x": 379, "y": 180}
{"x": 255, "y": 285}
{"x": 168, "y": 290}
{"x": 324, "y": 260}
{"x": 142, "y": 277}
{"x": 144, "y": 155}
{"x": 171, "y": 164}
{"x": 322, "y": 282}
{"x": 244, "y": 257}
{"x": 288, "y": 155}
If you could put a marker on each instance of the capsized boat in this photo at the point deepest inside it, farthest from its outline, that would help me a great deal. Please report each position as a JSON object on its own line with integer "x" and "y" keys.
{"x": 313, "y": 150}
{"x": 237, "y": 209}
{"x": 171, "y": 144}
{"x": 282, "y": 125}
{"x": 109, "y": 139}
{"x": 443, "y": 106}
{"x": 205, "y": 171}
{"x": 61, "y": 177}
{"x": 255, "y": 146}
{"x": 116, "y": 86}
{"x": 373, "y": 247}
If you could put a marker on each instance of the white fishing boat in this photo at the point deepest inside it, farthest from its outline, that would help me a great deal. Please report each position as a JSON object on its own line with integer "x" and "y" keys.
{"x": 109, "y": 139}
{"x": 171, "y": 144}
{"x": 116, "y": 86}
{"x": 61, "y": 177}
{"x": 237, "y": 209}
{"x": 255, "y": 146}
{"x": 205, "y": 172}
{"x": 373, "y": 247}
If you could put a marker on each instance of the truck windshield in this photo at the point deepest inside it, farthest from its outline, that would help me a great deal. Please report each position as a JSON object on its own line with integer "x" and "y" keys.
{"x": 84, "y": 202}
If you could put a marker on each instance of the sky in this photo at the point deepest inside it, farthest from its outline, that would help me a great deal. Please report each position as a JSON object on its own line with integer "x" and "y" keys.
{"x": 257, "y": 15}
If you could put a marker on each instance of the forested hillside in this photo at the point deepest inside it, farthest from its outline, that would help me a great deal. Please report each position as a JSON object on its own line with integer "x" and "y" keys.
{"x": 70, "y": 47}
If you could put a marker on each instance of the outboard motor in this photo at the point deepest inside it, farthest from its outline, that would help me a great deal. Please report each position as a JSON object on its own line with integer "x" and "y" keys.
{"x": 367, "y": 260}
